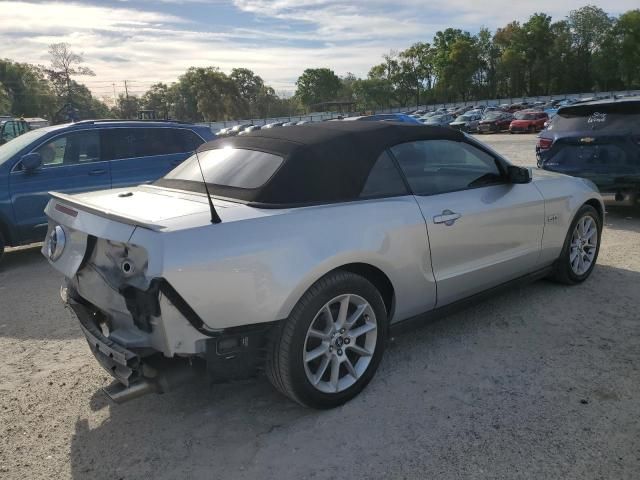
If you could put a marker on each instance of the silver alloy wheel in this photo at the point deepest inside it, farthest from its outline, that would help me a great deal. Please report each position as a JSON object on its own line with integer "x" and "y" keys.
{"x": 340, "y": 343}
{"x": 584, "y": 242}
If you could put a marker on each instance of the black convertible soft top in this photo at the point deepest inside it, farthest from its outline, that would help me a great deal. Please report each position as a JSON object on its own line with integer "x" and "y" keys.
{"x": 323, "y": 162}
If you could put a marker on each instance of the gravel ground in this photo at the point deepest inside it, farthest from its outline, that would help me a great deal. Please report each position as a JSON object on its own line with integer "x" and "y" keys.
{"x": 540, "y": 382}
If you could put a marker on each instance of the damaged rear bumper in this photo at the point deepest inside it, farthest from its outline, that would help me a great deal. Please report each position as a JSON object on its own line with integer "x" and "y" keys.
{"x": 227, "y": 355}
{"x": 135, "y": 376}
{"x": 122, "y": 364}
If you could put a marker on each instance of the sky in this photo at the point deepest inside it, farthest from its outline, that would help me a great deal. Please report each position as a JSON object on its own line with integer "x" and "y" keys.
{"x": 145, "y": 41}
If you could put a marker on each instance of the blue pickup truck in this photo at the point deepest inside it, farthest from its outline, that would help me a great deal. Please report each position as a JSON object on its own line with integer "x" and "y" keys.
{"x": 82, "y": 156}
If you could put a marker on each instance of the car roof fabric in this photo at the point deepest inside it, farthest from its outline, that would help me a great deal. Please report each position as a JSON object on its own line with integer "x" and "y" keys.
{"x": 323, "y": 162}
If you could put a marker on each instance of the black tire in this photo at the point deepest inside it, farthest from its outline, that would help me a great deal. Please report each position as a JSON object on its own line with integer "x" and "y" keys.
{"x": 285, "y": 367}
{"x": 532, "y": 129}
{"x": 563, "y": 272}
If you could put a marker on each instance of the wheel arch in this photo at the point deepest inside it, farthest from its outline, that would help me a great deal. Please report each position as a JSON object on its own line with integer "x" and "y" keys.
{"x": 595, "y": 203}
{"x": 377, "y": 277}
{"x": 367, "y": 270}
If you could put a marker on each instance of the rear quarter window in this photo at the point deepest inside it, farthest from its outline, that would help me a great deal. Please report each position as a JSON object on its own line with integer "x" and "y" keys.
{"x": 121, "y": 143}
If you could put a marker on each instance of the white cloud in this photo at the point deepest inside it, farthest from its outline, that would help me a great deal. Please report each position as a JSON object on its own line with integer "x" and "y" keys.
{"x": 144, "y": 45}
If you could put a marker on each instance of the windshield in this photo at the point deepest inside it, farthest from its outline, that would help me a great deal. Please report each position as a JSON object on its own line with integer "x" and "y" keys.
{"x": 230, "y": 167}
{"x": 492, "y": 116}
{"x": 435, "y": 119}
{"x": 465, "y": 118}
{"x": 525, "y": 116}
{"x": 12, "y": 147}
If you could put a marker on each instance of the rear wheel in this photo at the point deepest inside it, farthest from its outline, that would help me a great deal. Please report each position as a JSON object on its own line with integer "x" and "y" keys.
{"x": 329, "y": 348}
{"x": 581, "y": 247}
{"x": 532, "y": 129}
{"x": 2, "y": 245}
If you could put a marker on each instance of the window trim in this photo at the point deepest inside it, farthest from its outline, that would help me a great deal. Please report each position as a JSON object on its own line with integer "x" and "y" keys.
{"x": 500, "y": 163}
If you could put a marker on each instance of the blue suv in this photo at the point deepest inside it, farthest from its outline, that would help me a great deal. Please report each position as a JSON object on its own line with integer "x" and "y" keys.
{"x": 82, "y": 156}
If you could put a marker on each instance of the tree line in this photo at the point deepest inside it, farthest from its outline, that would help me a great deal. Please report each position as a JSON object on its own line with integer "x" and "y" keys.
{"x": 589, "y": 50}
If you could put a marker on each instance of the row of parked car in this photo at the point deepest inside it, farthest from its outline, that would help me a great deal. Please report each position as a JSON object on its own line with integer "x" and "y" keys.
{"x": 244, "y": 128}
{"x": 487, "y": 119}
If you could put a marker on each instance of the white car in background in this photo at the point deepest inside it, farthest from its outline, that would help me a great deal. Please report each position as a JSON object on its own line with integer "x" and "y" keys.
{"x": 303, "y": 247}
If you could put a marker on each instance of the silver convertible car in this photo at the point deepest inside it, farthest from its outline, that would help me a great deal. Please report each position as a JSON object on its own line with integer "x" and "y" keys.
{"x": 296, "y": 250}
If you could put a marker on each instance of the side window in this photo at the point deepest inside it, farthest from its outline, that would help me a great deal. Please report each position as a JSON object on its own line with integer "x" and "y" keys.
{"x": 440, "y": 166}
{"x": 141, "y": 142}
{"x": 384, "y": 179}
{"x": 71, "y": 149}
{"x": 187, "y": 140}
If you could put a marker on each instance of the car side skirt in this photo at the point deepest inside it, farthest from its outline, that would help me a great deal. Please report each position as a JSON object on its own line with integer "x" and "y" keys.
{"x": 430, "y": 316}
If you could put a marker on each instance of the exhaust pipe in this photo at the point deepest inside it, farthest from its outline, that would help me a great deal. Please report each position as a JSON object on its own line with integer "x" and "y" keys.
{"x": 119, "y": 393}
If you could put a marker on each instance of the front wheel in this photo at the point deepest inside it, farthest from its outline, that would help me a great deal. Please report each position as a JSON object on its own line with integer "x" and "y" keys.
{"x": 329, "y": 348}
{"x": 581, "y": 247}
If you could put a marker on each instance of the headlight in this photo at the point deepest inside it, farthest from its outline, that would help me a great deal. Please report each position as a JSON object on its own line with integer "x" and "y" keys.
{"x": 56, "y": 243}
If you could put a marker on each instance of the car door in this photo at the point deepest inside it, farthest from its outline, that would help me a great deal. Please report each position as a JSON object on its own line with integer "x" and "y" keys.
{"x": 71, "y": 163}
{"x": 144, "y": 154}
{"x": 483, "y": 230}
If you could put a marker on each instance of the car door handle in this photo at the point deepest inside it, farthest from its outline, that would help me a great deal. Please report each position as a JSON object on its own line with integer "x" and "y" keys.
{"x": 98, "y": 171}
{"x": 447, "y": 217}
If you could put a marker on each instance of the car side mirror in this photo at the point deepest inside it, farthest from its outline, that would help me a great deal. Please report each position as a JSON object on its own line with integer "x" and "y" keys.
{"x": 518, "y": 174}
{"x": 31, "y": 161}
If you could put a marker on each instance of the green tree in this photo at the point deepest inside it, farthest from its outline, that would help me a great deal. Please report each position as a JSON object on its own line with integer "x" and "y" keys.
{"x": 511, "y": 65}
{"x": 27, "y": 89}
{"x": 534, "y": 42}
{"x": 250, "y": 87}
{"x": 417, "y": 68}
{"x": 488, "y": 56}
{"x": 317, "y": 85}
{"x": 590, "y": 26}
{"x": 157, "y": 98}
{"x": 126, "y": 107}
{"x": 5, "y": 101}
{"x": 561, "y": 58}
{"x": 628, "y": 34}
{"x": 462, "y": 64}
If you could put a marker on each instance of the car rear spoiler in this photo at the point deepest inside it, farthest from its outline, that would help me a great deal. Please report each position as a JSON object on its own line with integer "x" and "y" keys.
{"x": 70, "y": 201}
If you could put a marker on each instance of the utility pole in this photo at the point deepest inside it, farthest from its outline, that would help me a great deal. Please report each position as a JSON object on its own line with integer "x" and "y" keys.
{"x": 115, "y": 99}
{"x": 126, "y": 91}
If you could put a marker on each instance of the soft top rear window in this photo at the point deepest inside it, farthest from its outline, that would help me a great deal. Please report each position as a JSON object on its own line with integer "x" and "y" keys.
{"x": 230, "y": 167}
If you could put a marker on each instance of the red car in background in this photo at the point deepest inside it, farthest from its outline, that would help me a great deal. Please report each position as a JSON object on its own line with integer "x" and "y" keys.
{"x": 495, "y": 121}
{"x": 528, "y": 121}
